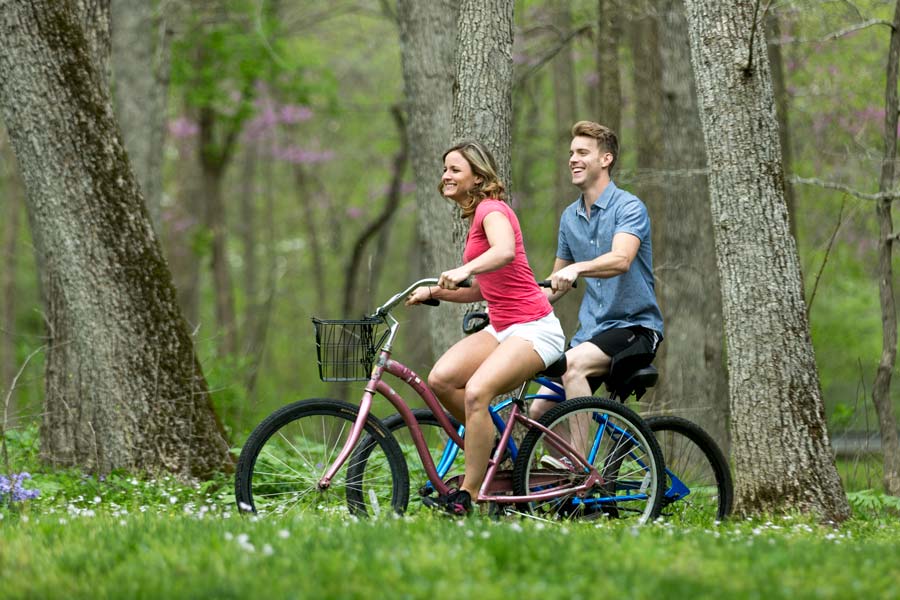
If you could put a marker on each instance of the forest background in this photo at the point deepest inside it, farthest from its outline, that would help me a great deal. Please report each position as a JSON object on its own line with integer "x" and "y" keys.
{"x": 306, "y": 102}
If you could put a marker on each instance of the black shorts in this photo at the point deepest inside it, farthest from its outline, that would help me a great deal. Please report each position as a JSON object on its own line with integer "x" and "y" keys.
{"x": 614, "y": 341}
{"x": 637, "y": 341}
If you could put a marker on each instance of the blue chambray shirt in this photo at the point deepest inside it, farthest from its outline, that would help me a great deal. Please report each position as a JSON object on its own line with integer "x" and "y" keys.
{"x": 627, "y": 299}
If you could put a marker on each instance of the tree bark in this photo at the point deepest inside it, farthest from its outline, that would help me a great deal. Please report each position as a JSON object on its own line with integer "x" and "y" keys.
{"x": 773, "y": 33}
{"x": 609, "y": 88}
{"x": 881, "y": 391}
{"x": 140, "y": 65}
{"x": 482, "y": 105}
{"x": 427, "y": 53}
{"x": 123, "y": 386}
{"x": 693, "y": 381}
{"x": 782, "y": 455}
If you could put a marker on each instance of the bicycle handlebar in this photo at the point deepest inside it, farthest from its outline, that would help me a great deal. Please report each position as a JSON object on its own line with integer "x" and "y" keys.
{"x": 396, "y": 298}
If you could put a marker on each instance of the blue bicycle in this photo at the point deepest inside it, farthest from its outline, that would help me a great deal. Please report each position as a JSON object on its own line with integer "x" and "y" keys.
{"x": 699, "y": 488}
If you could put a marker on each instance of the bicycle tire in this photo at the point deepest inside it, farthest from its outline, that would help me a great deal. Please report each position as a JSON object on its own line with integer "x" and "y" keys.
{"x": 435, "y": 437}
{"x": 633, "y": 492}
{"x": 693, "y": 457}
{"x": 284, "y": 458}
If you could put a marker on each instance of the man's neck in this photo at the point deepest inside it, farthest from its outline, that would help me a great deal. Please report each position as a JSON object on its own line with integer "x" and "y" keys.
{"x": 590, "y": 194}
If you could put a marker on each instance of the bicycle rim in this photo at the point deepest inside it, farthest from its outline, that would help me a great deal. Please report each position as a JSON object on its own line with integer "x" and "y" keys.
{"x": 285, "y": 457}
{"x": 615, "y": 441}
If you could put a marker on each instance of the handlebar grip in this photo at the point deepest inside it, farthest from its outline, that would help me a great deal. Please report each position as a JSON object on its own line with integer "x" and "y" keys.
{"x": 431, "y": 302}
{"x": 546, "y": 283}
{"x": 465, "y": 284}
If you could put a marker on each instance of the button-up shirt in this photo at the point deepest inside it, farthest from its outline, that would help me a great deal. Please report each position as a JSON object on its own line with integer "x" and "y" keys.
{"x": 625, "y": 300}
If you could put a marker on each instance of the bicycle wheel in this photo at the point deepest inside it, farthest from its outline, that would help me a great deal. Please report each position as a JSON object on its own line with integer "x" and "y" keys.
{"x": 699, "y": 489}
{"x": 284, "y": 458}
{"x": 436, "y": 439}
{"x": 615, "y": 441}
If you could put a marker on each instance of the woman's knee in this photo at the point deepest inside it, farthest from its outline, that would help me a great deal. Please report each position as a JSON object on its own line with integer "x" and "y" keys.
{"x": 477, "y": 398}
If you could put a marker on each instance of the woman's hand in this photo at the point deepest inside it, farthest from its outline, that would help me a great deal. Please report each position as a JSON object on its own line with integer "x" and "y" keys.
{"x": 418, "y": 296}
{"x": 451, "y": 279}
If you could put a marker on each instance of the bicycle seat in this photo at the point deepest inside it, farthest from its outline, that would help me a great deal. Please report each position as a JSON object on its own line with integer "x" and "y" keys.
{"x": 635, "y": 383}
{"x": 554, "y": 370}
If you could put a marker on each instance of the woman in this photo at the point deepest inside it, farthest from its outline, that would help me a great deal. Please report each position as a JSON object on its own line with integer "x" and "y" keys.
{"x": 524, "y": 336}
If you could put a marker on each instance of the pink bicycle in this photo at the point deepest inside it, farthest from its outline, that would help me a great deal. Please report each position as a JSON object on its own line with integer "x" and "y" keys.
{"x": 586, "y": 457}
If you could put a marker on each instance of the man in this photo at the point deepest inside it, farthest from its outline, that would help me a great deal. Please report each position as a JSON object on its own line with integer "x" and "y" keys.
{"x": 604, "y": 237}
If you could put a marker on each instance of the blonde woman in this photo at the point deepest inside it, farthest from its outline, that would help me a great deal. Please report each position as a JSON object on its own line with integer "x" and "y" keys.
{"x": 524, "y": 336}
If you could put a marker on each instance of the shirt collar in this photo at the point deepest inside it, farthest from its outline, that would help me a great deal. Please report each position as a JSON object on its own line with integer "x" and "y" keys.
{"x": 602, "y": 202}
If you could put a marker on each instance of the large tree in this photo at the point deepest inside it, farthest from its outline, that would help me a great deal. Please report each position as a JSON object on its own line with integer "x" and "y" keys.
{"x": 123, "y": 386}
{"x": 782, "y": 455}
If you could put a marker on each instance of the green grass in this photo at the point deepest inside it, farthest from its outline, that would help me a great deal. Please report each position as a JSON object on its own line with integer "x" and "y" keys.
{"x": 169, "y": 541}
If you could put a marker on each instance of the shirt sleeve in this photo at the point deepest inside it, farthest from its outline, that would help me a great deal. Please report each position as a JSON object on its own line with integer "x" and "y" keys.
{"x": 563, "y": 251}
{"x": 632, "y": 218}
{"x": 485, "y": 208}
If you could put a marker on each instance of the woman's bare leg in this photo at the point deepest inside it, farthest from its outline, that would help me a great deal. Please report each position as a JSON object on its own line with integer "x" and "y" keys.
{"x": 509, "y": 365}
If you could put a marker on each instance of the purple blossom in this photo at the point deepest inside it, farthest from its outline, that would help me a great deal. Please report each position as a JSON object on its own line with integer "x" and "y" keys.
{"x": 183, "y": 128}
{"x": 12, "y": 487}
{"x": 354, "y": 212}
{"x": 302, "y": 156}
{"x": 295, "y": 113}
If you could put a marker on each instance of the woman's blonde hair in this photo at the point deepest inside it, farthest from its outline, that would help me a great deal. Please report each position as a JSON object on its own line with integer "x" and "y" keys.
{"x": 483, "y": 165}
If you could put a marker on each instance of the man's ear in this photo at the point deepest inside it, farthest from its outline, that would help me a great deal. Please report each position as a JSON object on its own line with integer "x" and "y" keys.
{"x": 606, "y": 159}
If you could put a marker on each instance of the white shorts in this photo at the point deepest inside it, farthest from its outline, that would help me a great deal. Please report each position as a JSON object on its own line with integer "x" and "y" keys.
{"x": 545, "y": 334}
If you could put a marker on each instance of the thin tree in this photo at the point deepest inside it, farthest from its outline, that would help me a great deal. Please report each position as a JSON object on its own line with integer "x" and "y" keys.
{"x": 881, "y": 390}
{"x": 123, "y": 386}
{"x": 140, "y": 40}
{"x": 692, "y": 378}
{"x": 609, "y": 88}
{"x": 782, "y": 455}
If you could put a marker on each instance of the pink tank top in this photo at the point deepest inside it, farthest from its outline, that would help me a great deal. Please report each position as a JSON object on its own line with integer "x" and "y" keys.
{"x": 512, "y": 295}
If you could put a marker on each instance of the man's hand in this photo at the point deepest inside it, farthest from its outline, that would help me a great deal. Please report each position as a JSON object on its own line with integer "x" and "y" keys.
{"x": 451, "y": 279}
{"x": 562, "y": 280}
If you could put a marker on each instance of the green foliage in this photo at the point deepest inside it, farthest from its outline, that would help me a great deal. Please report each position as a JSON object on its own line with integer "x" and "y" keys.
{"x": 872, "y": 503}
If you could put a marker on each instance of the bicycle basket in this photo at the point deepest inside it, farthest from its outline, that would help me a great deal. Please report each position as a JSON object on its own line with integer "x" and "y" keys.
{"x": 346, "y": 348}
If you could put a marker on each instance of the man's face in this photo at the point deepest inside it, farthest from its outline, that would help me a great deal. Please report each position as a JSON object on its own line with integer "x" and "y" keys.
{"x": 586, "y": 161}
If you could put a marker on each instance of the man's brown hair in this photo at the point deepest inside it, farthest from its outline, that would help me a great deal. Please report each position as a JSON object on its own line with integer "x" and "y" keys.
{"x": 606, "y": 138}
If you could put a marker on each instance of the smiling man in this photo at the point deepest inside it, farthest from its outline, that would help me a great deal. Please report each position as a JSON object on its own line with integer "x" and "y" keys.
{"x": 604, "y": 237}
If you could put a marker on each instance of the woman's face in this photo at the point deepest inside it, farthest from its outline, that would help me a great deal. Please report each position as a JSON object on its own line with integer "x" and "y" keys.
{"x": 458, "y": 178}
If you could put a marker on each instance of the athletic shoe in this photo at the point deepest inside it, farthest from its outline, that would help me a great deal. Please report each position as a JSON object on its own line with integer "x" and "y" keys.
{"x": 457, "y": 503}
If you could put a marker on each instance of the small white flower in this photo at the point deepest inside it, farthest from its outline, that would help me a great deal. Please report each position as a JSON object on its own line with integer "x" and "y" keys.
{"x": 245, "y": 507}
{"x": 97, "y": 499}
{"x": 172, "y": 499}
{"x": 229, "y": 536}
{"x": 243, "y": 538}
{"x": 284, "y": 534}
{"x": 267, "y": 550}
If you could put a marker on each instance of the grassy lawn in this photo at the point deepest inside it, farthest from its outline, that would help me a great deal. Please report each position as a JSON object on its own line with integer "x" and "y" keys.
{"x": 125, "y": 538}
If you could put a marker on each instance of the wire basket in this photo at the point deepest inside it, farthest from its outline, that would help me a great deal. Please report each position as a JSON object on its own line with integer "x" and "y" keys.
{"x": 346, "y": 348}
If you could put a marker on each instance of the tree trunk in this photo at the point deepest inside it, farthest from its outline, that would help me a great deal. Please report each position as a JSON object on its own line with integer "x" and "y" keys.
{"x": 123, "y": 386}
{"x": 427, "y": 53}
{"x": 140, "y": 56}
{"x": 312, "y": 228}
{"x": 10, "y": 185}
{"x": 213, "y": 163}
{"x": 783, "y": 458}
{"x": 609, "y": 89}
{"x": 881, "y": 391}
{"x": 565, "y": 97}
{"x": 693, "y": 381}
